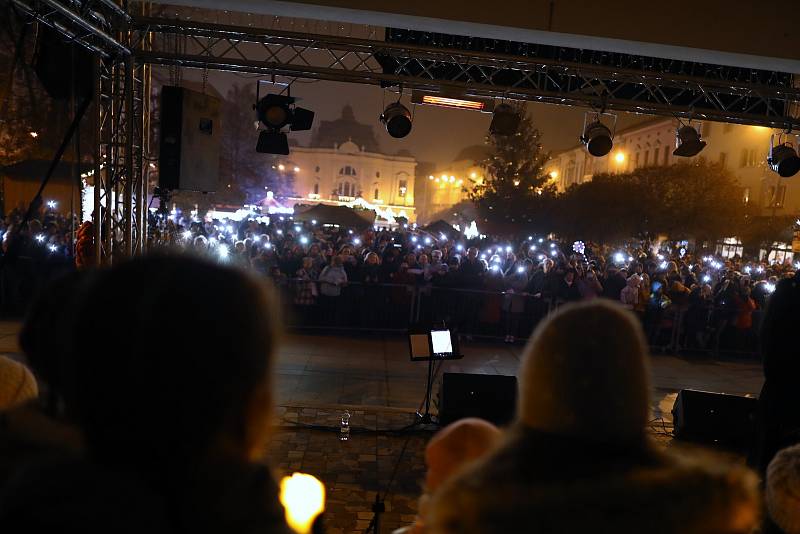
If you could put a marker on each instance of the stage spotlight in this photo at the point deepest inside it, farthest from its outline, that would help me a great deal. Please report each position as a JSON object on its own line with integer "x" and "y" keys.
{"x": 783, "y": 159}
{"x": 397, "y": 120}
{"x": 598, "y": 139}
{"x": 276, "y": 112}
{"x": 688, "y": 142}
{"x": 505, "y": 120}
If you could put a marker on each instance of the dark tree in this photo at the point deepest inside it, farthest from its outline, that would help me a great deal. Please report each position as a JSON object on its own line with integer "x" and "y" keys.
{"x": 515, "y": 193}
{"x": 697, "y": 200}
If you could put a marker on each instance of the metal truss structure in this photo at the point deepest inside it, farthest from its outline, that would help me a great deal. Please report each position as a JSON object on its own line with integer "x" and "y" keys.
{"x": 630, "y": 84}
{"x": 126, "y": 44}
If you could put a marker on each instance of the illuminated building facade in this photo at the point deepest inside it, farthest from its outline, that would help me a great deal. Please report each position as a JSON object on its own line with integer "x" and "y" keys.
{"x": 447, "y": 185}
{"x": 742, "y": 149}
{"x": 344, "y": 165}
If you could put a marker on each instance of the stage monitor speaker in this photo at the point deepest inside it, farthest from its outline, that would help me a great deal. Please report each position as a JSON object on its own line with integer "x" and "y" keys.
{"x": 189, "y": 140}
{"x": 714, "y": 418}
{"x": 489, "y": 397}
{"x": 57, "y": 62}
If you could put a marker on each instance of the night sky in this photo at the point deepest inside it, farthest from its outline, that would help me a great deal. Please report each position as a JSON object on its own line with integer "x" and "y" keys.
{"x": 438, "y": 134}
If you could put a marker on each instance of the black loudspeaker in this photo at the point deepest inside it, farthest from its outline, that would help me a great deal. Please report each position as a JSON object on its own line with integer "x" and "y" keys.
{"x": 189, "y": 143}
{"x": 714, "y": 418}
{"x": 489, "y": 397}
{"x": 57, "y": 61}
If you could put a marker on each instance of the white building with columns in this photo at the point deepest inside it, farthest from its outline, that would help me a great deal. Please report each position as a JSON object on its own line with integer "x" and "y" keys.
{"x": 344, "y": 165}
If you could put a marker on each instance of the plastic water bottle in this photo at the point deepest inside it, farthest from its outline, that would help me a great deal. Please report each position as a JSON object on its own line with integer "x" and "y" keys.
{"x": 344, "y": 430}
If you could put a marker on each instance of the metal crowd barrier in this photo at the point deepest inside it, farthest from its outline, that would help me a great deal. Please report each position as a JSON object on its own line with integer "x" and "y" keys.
{"x": 497, "y": 314}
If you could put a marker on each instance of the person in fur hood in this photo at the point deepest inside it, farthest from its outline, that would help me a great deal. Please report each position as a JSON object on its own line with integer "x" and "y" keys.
{"x": 578, "y": 458}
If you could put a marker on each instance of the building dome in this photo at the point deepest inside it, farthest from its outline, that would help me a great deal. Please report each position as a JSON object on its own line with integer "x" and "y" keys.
{"x": 349, "y": 147}
{"x": 345, "y": 130}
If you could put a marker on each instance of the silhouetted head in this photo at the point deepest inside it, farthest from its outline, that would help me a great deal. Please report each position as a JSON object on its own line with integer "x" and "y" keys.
{"x": 175, "y": 368}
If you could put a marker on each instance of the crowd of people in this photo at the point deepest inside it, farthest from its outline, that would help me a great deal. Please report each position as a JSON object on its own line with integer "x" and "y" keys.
{"x": 489, "y": 285}
{"x": 167, "y": 431}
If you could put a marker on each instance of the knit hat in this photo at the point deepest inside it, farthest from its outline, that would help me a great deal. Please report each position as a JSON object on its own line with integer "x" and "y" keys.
{"x": 584, "y": 374}
{"x": 17, "y": 384}
{"x": 455, "y": 445}
{"x": 783, "y": 489}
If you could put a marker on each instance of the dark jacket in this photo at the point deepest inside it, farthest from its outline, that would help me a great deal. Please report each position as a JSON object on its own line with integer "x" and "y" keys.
{"x": 79, "y": 496}
{"x": 541, "y": 483}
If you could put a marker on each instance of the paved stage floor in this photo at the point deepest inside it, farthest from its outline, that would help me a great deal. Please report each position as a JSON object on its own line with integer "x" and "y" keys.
{"x": 375, "y": 372}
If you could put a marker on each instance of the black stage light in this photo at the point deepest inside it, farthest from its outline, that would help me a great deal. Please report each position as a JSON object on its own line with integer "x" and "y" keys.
{"x": 276, "y": 112}
{"x": 505, "y": 120}
{"x": 688, "y": 142}
{"x": 271, "y": 142}
{"x": 598, "y": 139}
{"x": 397, "y": 120}
{"x": 783, "y": 159}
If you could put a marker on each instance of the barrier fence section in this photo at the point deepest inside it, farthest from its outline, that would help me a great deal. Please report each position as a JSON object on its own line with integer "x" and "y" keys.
{"x": 357, "y": 306}
{"x": 693, "y": 329}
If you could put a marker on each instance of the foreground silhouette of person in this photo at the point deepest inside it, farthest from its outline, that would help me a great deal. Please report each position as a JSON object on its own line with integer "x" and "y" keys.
{"x": 578, "y": 459}
{"x": 173, "y": 396}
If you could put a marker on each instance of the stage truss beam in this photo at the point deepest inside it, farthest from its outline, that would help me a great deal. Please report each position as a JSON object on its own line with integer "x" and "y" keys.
{"x": 323, "y": 57}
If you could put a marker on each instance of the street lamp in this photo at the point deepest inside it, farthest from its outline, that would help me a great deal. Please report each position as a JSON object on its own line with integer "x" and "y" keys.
{"x": 619, "y": 158}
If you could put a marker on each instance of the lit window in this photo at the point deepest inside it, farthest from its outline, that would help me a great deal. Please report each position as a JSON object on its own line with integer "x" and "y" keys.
{"x": 403, "y": 187}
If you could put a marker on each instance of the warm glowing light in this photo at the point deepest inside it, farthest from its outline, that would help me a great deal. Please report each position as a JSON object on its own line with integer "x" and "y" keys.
{"x": 452, "y": 179}
{"x": 303, "y": 498}
{"x": 516, "y": 183}
{"x": 430, "y": 177}
{"x": 34, "y": 134}
{"x": 452, "y": 102}
{"x": 297, "y": 169}
{"x": 553, "y": 174}
{"x": 281, "y": 167}
{"x": 620, "y": 157}
{"x": 473, "y": 175}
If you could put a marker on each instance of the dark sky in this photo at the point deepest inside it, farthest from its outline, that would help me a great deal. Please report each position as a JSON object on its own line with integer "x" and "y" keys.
{"x": 438, "y": 134}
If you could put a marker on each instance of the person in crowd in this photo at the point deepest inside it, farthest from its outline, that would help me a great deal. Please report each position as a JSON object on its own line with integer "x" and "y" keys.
{"x": 450, "y": 450}
{"x": 331, "y": 281}
{"x": 614, "y": 283}
{"x": 570, "y": 464}
{"x": 305, "y": 288}
{"x": 782, "y": 493}
{"x": 370, "y": 271}
{"x": 516, "y": 281}
{"x": 568, "y": 289}
{"x": 643, "y": 299}
{"x": 629, "y": 296}
{"x": 175, "y": 430}
{"x": 778, "y": 420}
{"x": 589, "y": 286}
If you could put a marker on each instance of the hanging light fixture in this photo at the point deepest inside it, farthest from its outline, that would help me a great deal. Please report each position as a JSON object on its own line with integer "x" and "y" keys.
{"x": 598, "y": 139}
{"x": 688, "y": 142}
{"x": 783, "y": 158}
{"x": 397, "y": 120}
